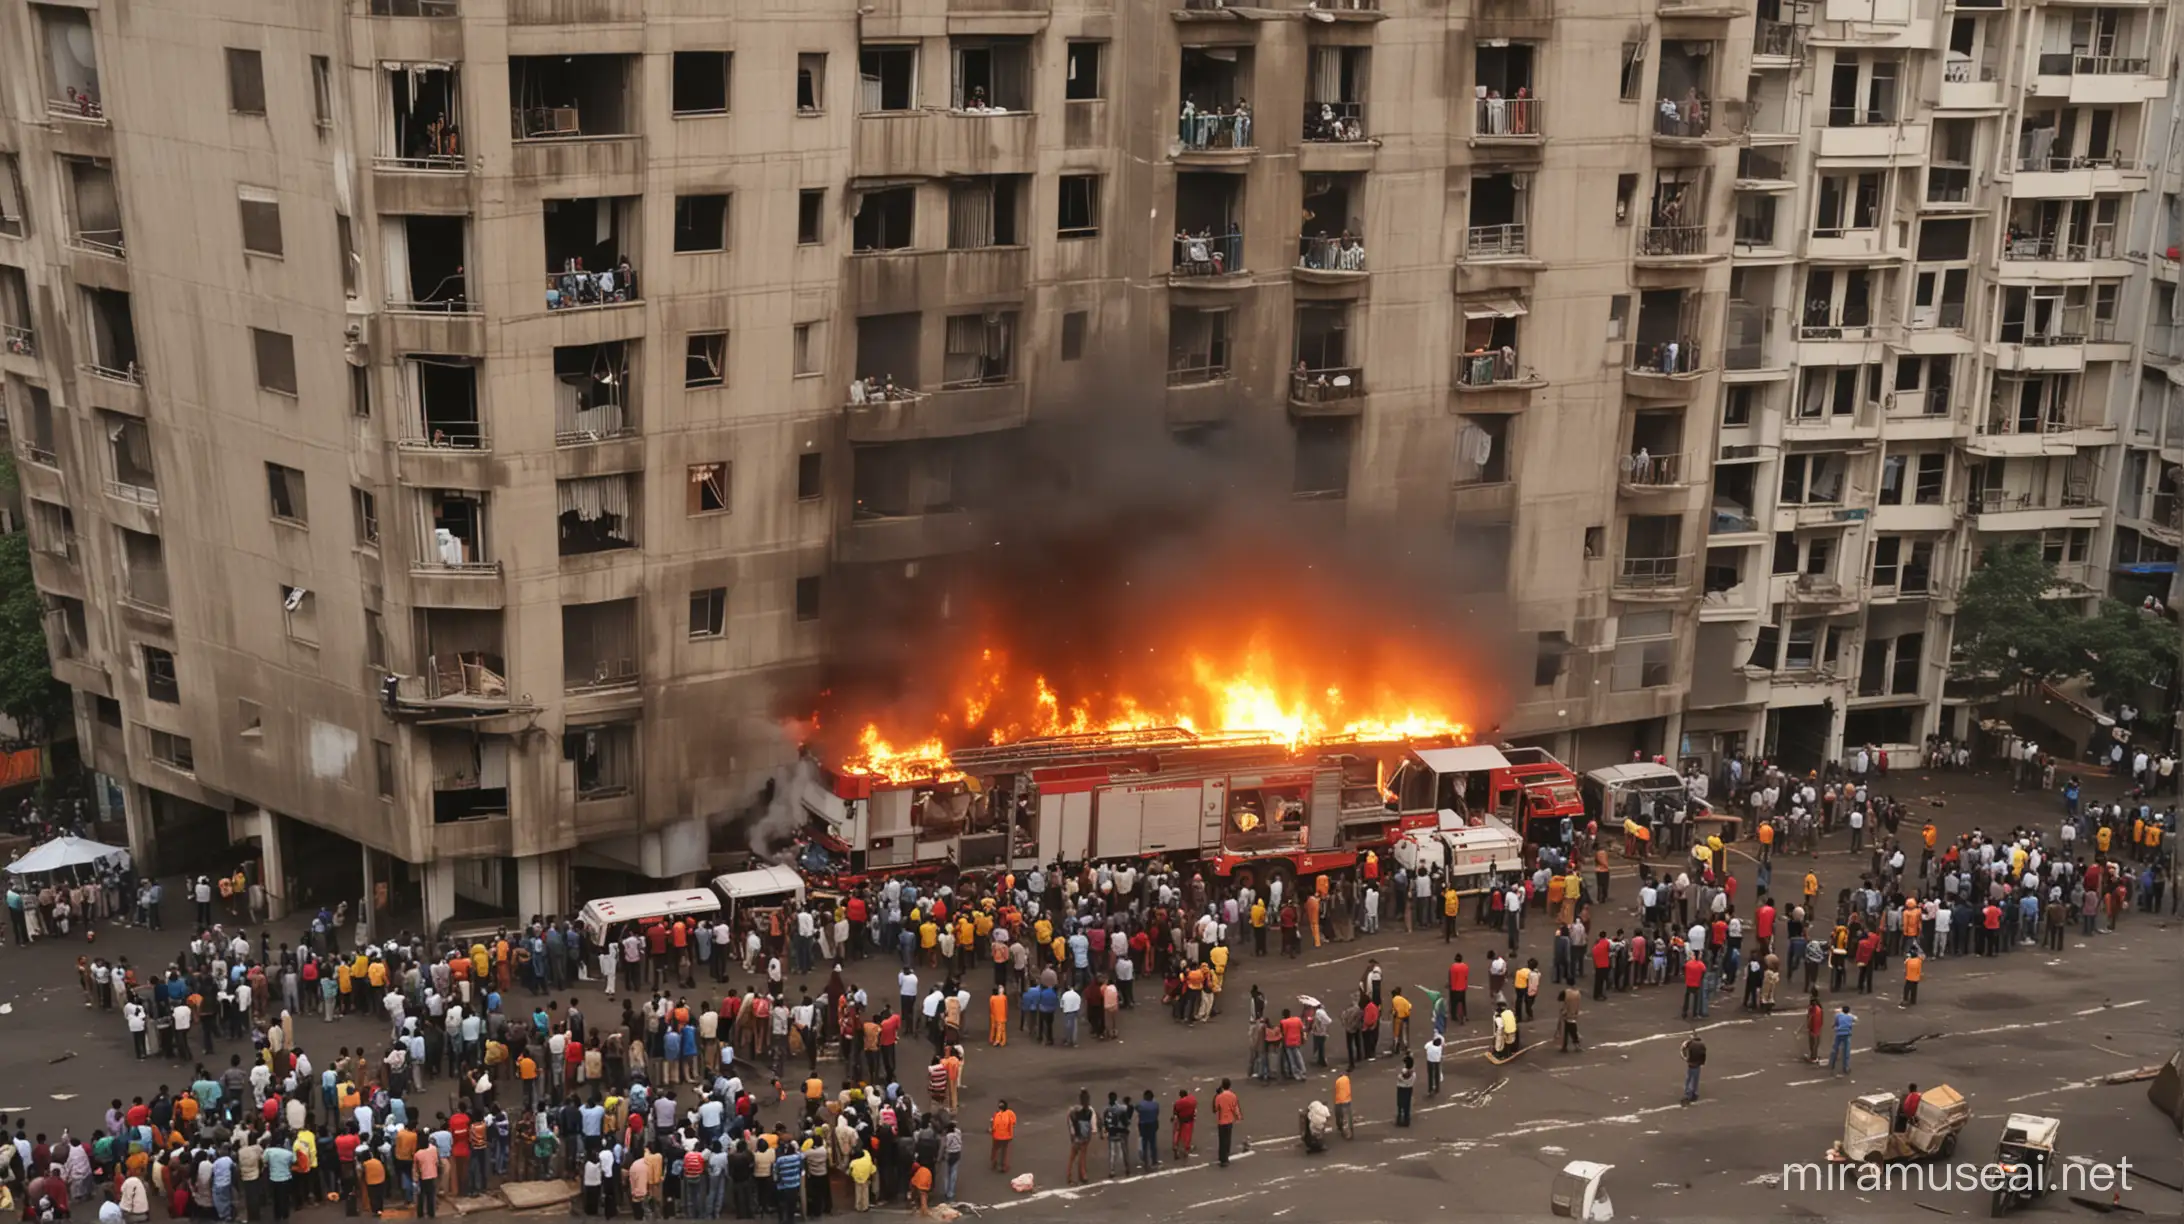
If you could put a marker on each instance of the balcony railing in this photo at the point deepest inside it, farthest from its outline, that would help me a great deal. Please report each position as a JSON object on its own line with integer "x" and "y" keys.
{"x": 76, "y": 106}
{"x": 448, "y": 163}
{"x": 2006, "y": 422}
{"x": 1838, "y": 331}
{"x": 1220, "y": 129}
{"x": 1494, "y": 118}
{"x": 1494, "y": 241}
{"x": 2099, "y": 244}
{"x": 1323, "y": 254}
{"x": 1643, "y": 469}
{"x": 2056, "y": 164}
{"x": 142, "y": 495}
{"x": 2109, "y": 65}
{"x": 1209, "y": 255}
{"x": 102, "y": 242}
{"x": 1652, "y": 573}
{"x": 1923, "y": 402}
{"x": 1330, "y": 385}
{"x": 1665, "y": 357}
{"x": 2002, "y": 501}
{"x": 1487, "y": 369}
{"x": 133, "y": 373}
{"x": 577, "y": 289}
{"x": 1861, "y": 116}
{"x": 1670, "y": 119}
{"x": 19, "y": 341}
{"x": 1334, "y": 122}
{"x": 1194, "y": 371}
{"x": 1965, "y": 72}
{"x": 451, "y": 435}
{"x": 42, "y": 455}
{"x": 1777, "y": 38}
{"x": 1948, "y": 184}
{"x": 2065, "y": 326}
{"x": 1672, "y": 240}
{"x": 414, "y": 8}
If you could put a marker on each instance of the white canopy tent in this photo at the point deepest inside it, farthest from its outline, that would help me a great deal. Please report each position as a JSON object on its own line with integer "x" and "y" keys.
{"x": 63, "y": 852}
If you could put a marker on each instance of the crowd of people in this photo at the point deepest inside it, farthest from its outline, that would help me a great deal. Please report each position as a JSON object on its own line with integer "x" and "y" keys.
{"x": 766, "y": 1067}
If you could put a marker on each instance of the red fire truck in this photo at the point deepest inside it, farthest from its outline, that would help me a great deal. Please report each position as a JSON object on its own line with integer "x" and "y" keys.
{"x": 1524, "y": 788}
{"x": 1244, "y": 804}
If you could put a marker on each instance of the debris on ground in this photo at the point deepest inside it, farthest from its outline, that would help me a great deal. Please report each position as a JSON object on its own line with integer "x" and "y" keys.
{"x": 1901, "y": 1047}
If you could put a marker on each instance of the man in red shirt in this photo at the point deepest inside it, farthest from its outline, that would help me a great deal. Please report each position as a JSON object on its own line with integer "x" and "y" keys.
{"x": 1459, "y": 981}
{"x": 1694, "y": 986}
{"x": 1603, "y": 956}
{"x": 1864, "y": 954}
{"x": 1990, "y": 930}
{"x": 1292, "y": 1046}
{"x": 890, "y": 1029}
{"x": 1227, "y": 1112}
{"x": 1765, "y": 925}
{"x": 458, "y": 1128}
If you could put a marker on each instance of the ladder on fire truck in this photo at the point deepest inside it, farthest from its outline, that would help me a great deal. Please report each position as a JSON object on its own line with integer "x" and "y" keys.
{"x": 1053, "y": 749}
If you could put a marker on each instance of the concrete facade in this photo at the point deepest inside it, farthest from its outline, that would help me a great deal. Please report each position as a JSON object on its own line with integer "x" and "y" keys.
{"x": 299, "y": 413}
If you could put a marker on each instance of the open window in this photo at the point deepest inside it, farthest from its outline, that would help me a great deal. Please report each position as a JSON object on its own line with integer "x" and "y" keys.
{"x": 428, "y": 258}
{"x": 594, "y": 396}
{"x": 563, "y": 96}
{"x": 980, "y": 350}
{"x": 597, "y": 514}
{"x": 886, "y": 219}
{"x": 887, "y": 78}
{"x": 443, "y": 392}
{"x": 986, "y": 210}
{"x": 992, "y": 75}
{"x": 423, "y": 104}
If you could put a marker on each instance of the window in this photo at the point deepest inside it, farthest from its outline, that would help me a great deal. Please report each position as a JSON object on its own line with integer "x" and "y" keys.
{"x": 173, "y": 750}
{"x": 604, "y": 756}
{"x": 701, "y": 83}
{"x": 1082, "y": 81}
{"x": 1933, "y": 474}
{"x": 249, "y": 719}
{"x": 810, "y": 205}
{"x": 981, "y": 349}
{"x": 705, "y": 359}
{"x": 1626, "y": 188}
{"x": 701, "y": 223}
{"x": 809, "y": 472}
{"x": 709, "y": 612}
{"x": 1073, "y": 325}
{"x": 1645, "y": 649}
{"x": 1887, "y": 560}
{"x": 360, "y": 392}
{"x": 1785, "y": 553}
{"x": 301, "y": 608}
{"x": 1634, "y": 62}
{"x": 884, "y": 220}
{"x": 245, "y": 82}
{"x": 1323, "y": 458}
{"x": 804, "y": 350}
{"x": 365, "y": 509}
{"x": 261, "y": 221}
{"x": 1596, "y": 543}
{"x": 811, "y": 81}
{"x": 159, "y": 681}
{"x": 383, "y": 768}
{"x": 1547, "y": 660}
{"x": 887, "y": 77}
{"x": 1903, "y": 675}
{"x": 1198, "y": 346}
{"x": 1079, "y": 215}
{"x": 322, "y": 92}
{"x": 345, "y": 242}
{"x": 276, "y": 358}
{"x": 1482, "y": 450}
{"x": 1736, "y": 411}
{"x": 285, "y": 485}
{"x": 707, "y": 489}
{"x": 375, "y": 641}
{"x": 1618, "y": 315}
{"x": 807, "y": 599}
{"x": 11, "y": 196}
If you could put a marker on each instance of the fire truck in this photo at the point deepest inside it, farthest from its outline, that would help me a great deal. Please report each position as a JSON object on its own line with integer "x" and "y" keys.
{"x": 1526, "y": 789}
{"x": 1246, "y": 805}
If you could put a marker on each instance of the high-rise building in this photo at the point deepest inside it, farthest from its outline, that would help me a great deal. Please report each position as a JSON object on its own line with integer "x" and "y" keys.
{"x": 379, "y": 524}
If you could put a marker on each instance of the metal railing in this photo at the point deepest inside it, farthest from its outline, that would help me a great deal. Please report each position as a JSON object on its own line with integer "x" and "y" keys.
{"x": 2056, "y": 164}
{"x": 580, "y": 290}
{"x": 449, "y": 163}
{"x": 1323, "y": 254}
{"x": 1487, "y": 369}
{"x": 1965, "y": 72}
{"x": 414, "y": 8}
{"x": 1862, "y": 116}
{"x": 458, "y": 302}
{"x": 133, "y": 373}
{"x": 2065, "y": 326}
{"x": 103, "y": 242}
{"x": 2007, "y": 422}
{"x": 1490, "y": 241}
{"x": 1494, "y": 118}
{"x": 142, "y": 495}
{"x": 18, "y": 341}
{"x": 1192, "y": 374}
{"x": 1672, "y": 240}
{"x": 1777, "y": 38}
{"x": 1838, "y": 331}
{"x": 462, "y": 435}
{"x": 1663, "y": 357}
{"x": 1334, "y": 122}
{"x": 1216, "y": 130}
{"x": 1676, "y": 123}
{"x": 1652, "y": 573}
{"x": 2109, "y": 65}
{"x": 54, "y": 543}
{"x": 78, "y": 107}
{"x": 1211, "y": 255}
{"x": 2002, "y": 501}
{"x": 43, "y": 456}
{"x": 1643, "y": 469}
{"x": 1329, "y": 385}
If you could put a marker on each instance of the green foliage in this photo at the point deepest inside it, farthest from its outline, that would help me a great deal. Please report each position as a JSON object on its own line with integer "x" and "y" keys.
{"x": 2007, "y": 629}
{"x": 28, "y": 692}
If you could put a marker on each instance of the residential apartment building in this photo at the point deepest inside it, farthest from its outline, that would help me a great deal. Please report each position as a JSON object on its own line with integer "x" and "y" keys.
{"x": 475, "y": 493}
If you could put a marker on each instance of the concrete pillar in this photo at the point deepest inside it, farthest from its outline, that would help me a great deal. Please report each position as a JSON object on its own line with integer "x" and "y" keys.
{"x": 438, "y": 877}
{"x": 1672, "y": 737}
{"x": 136, "y": 814}
{"x": 273, "y": 859}
{"x": 370, "y": 904}
{"x": 541, "y": 885}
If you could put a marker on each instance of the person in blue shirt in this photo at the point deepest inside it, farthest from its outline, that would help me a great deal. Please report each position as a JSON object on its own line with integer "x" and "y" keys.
{"x": 670, "y": 1051}
{"x": 1844, "y": 1023}
{"x": 788, "y": 1176}
{"x": 1148, "y": 1130}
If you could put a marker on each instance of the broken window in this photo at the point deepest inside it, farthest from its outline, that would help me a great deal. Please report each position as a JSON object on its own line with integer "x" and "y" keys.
{"x": 364, "y": 510}
{"x": 705, "y": 359}
{"x": 113, "y": 335}
{"x": 885, "y": 220}
{"x": 599, "y": 644}
{"x": 991, "y": 74}
{"x": 301, "y": 609}
{"x": 596, "y": 514}
{"x": 454, "y": 529}
{"x": 561, "y": 96}
{"x": 811, "y": 82}
{"x": 246, "y": 81}
{"x": 159, "y": 678}
{"x": 461, "y": 649}
{"x": 275, "y": 353}
{"x": 811, "y": 203}
{"x": 1079, "y": 212}
{"x": 1198, "y": 345}
{"x": 980, "y": 349}
{"x": 701, "y": 82}
{"x": 1323, "y": 457}
{"x": 444, "y": 392}
{"x": 593, "y": 394}
{"x": 424, "y": 106}
{"x": 983, "y": 211}
{"x": 709, "y": 612}
{"x": 1482, "y": 449}
{"x": 144, "y": 568}
{"x": 94, "y": 210}
{"x": 469, "y": 775}
{"x": 129, "y": 442}
{"x": 887, "y": 77}
{"x": 706, "y": 489}
{"x": 284, "y": 485}
{"x": 605, "y": 757}
{"x": 261, "y": 213}
{"x": 701, "y": 223}
{"x": 1081, "y": 79}
{"x": 427, "y": 258}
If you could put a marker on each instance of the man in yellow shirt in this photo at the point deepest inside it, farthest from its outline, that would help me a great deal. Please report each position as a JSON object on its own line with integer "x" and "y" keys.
{"x": 1258, "y": 927}
{"x": 1343, "y": 1118}
{"x": 1400, "y": 1008}
{"x": 1452, "y": 904}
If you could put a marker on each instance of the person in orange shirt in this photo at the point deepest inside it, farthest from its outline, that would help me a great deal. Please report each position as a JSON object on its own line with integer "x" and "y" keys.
{"x": 953, "y": 1065}
{"x": 1914, "y": 968}
{"x": 921, "y": 1189}
{"x": 1003, "y": 1129}
{"x": 1227, "y": 1112}
{"x": 1342, "y": 1107}
{"x": 1311, "y": 914}
{"x": 997, "y": 1018}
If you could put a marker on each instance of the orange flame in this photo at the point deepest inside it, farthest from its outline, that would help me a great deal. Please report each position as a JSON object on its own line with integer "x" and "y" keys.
{"x": 1259, "y": 690}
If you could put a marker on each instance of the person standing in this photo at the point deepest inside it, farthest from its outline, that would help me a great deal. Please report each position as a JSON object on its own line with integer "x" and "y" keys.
{"x": 1914, "y": 967}
{"x": 1227, "y": 1112}
{"x": 1571, "y": 998}
{"x": 1080, "y": 1140}
{"x": 1185, "y": 1113}
{"x": 1694, "y": 1057}
{"x": 1003, "y": 1128}
{"x": 1405, "y": 1081}
{"x": 1844, "y": 1023}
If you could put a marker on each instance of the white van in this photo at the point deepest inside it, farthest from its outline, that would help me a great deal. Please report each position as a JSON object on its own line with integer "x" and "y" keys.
{"x": 597, "y": 916}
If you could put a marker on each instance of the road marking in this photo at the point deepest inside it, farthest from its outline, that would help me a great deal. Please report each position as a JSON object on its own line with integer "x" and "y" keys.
{"x": 1802, "y": 1083}
{"x": 1355, "y": 956}
{"x": 1617, "y": 1120}
{"x": 1704, "y": 1028}
{"x": 1746, "y": 1075}
{"x": 2094, "y": 1011}
{"x": 1075, "y": 1192}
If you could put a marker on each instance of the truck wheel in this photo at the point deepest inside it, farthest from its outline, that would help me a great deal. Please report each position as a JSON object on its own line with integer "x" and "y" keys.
{"x": 1948, "y": 1146}
{"x": 2001, "y": 1205}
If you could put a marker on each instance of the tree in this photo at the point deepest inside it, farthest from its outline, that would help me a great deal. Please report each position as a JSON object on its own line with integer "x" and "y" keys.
{"x": 28, "y": 692}
{"x": 2124, "y": 648}
{"x": 2007, "y": 629}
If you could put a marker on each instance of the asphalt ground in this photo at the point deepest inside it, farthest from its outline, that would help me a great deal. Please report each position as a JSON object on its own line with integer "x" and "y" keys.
{"x": 2027, "y": 1031}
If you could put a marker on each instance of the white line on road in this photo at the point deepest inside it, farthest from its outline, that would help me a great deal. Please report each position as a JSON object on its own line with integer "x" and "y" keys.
{"x": 1072, "y": 1192}
{"x": 1746, "y": 1075}
{"x": 2094, "y": 1011}
{"x": 1802, "y": 1083}
{"x": 1355, "y": 956}
{"x": 1704, "y": 1028}
{"x": 1617, "y": 1120}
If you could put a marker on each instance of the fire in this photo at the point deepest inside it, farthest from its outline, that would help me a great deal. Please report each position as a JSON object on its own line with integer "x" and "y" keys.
{"x": 1257, "y": 688}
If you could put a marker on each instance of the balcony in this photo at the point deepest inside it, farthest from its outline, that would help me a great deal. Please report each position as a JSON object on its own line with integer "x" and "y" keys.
{"x": 1334, "y": 391}
{"x": 1330, "y": 260}
{"x": 1335, "y": 123}
{"x": 1644, "y": 473}
{"x": 1215, "y": 137}
{"x": 1874, "y": 139}
{"x": 1494, "y": 370}
{"x": 1506, "y": 241}
{"x": 1507, "y": 120}
{"x": 885, "y": 414}
{"x": 1672, "y": 126}
{"x": 875, "y": 539}
{"x": 1680, "y": 243}
{"x": 1667, "y": 370}
{"x": 1969, "y": 86}
{"x": 1207, "y": 259}
{"x": 2013, "y": 510}
{"x": 416, "y": 8}
{"x": 1777, "y": 44}
{"x": 1653, "y": 576}
{"x": 17, "y": 340}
